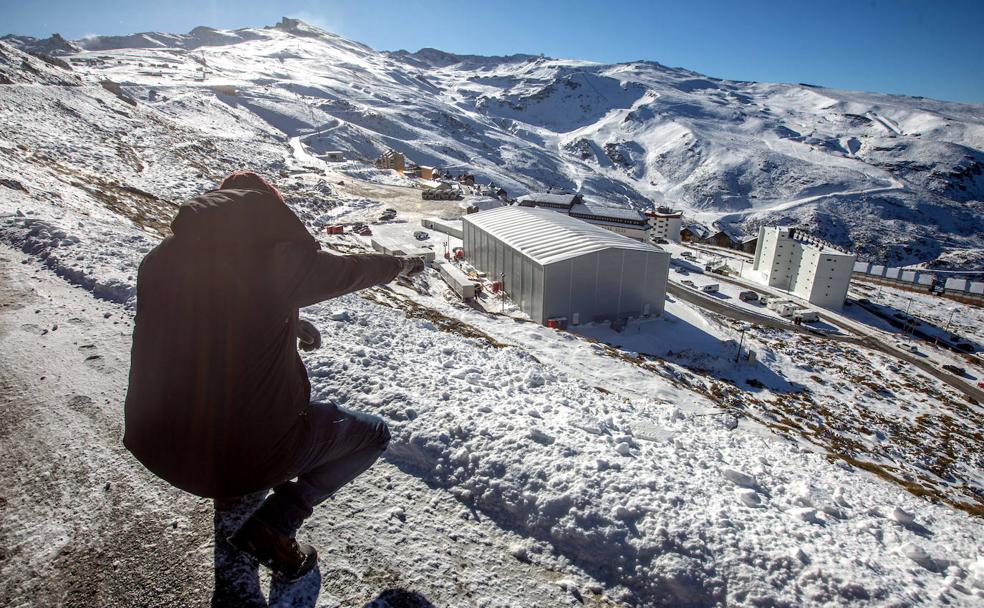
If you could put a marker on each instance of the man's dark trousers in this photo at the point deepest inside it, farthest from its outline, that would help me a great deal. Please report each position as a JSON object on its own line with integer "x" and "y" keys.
{"x": 335, "y": 446}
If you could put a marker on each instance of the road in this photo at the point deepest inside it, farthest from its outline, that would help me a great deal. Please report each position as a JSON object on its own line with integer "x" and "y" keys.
{"x": 866, "y": 336}
{"x": 723, "y": 308}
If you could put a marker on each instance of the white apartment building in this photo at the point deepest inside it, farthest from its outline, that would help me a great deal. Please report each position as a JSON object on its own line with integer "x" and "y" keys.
{"x": 665, "y": 223}
{"x": 795, "y": 261}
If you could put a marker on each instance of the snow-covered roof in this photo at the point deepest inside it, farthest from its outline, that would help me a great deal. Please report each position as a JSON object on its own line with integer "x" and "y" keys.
{"x": 593, "y": 208}
{"x": 549, "y": 197}
{"x": 547, "y": 236}
{"x": 667, "y": 212}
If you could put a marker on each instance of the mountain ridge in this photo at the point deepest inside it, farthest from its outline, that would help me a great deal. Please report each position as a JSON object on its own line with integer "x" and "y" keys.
{"x": 898, "y": 178}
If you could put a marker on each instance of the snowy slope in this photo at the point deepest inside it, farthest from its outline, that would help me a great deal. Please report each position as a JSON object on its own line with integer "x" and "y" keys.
{"x": 899, "y": 178}
{"x": 625, "y": 480}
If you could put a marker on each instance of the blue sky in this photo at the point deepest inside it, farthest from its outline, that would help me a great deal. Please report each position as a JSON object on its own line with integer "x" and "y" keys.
{"x": 910, "y": 47}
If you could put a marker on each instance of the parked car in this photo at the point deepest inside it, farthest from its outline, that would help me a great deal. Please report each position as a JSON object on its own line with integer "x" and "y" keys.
{"x": 912, "y": 348}
{"x": 364, "y": 231}
{"x": 954, "y": 369}
{"x": 806, "y": 316}
{"x": 420, "y": 235}
{"x": 387, "y": 215}
{"x": 748, "y": 296}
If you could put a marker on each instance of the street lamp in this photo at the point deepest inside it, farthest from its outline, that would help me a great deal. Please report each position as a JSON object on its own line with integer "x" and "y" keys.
{"x": 952, "y": 310}
{"x": 744, "y": 327}
{"x": 908, "y": 320}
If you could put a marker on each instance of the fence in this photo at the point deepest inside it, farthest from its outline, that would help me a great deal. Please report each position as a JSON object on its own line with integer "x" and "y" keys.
{"x": 961, "y": 289}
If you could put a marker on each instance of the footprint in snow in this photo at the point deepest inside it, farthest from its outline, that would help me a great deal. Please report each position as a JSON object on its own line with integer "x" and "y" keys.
{"x": 31, "y": 328}
{"x": 742, "y": 480}
{"x": 750, "y": 498}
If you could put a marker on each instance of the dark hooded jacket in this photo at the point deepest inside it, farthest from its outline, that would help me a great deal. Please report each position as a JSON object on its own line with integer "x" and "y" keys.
{"x": 217, "y": 386}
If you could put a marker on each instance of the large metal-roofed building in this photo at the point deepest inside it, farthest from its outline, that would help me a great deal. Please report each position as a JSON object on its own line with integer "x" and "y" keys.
{"x": 555, "y": 266}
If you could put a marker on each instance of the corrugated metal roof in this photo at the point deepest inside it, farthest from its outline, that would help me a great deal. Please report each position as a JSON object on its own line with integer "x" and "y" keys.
{"x": 547, "y": 236}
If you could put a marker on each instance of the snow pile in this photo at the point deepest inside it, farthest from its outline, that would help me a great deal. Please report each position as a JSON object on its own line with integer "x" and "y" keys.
{"x": 672, "y": 507}
{"x": 90, "y": 261}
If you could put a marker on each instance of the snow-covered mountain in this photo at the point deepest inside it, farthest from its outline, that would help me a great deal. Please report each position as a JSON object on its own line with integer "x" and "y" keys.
{"x": 898, "y": 178}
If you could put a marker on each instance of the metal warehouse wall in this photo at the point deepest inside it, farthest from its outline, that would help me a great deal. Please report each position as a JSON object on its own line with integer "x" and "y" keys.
{"x": 603, "y": 285}
{"x": 606, "y": 285}
{"x": 523, "y": 278}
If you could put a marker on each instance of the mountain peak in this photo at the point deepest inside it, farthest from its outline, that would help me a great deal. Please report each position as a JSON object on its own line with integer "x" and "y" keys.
{"x": 53, "y": 45}
{"x": 297, "y": 27}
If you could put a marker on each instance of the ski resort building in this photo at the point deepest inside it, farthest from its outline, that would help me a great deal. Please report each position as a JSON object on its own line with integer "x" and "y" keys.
{"x": 394, "y": 247}
{"x": 719, "y": 239}
{"x": 804, "y": 265}
{"x": 666, "y": 223}
{"x": 620, "y": 220}
{"x": 448, "y": 227}
{"x": 555, "y": 266}
{"x": 391, "y": 159}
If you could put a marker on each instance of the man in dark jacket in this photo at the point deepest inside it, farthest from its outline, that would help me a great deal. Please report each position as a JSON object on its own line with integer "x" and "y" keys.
{"x": 219, "y": 400}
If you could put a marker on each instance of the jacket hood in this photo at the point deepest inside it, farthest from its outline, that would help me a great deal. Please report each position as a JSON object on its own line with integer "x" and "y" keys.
{"x": 240, "y": 216}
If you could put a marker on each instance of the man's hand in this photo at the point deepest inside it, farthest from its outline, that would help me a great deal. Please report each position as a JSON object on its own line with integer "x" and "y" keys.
{"x": 308, "y": 336}
{"x": 411, "y": 266}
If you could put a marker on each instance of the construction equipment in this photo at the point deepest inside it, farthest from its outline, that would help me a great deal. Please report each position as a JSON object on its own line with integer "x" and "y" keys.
{"x": 443, "y": 192}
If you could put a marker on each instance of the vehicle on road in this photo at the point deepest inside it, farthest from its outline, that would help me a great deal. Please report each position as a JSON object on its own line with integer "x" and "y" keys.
{"x": 689, "y": 283}
{"x": 954, "y": 369}
{"x": 912, "y": 348}
{"x": 420, "y": 235}
{"x": 710, "y": 288}
{"x": 806, "y": 316}
{"x": 748, "y": 296}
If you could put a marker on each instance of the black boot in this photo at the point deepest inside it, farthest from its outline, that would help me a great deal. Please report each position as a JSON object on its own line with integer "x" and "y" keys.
{"x": 237, "y": 580}
{"x": 287, "y": 558}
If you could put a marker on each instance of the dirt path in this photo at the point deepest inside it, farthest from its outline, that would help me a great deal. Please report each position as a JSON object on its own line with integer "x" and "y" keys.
{"x": 83, "y": 524}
